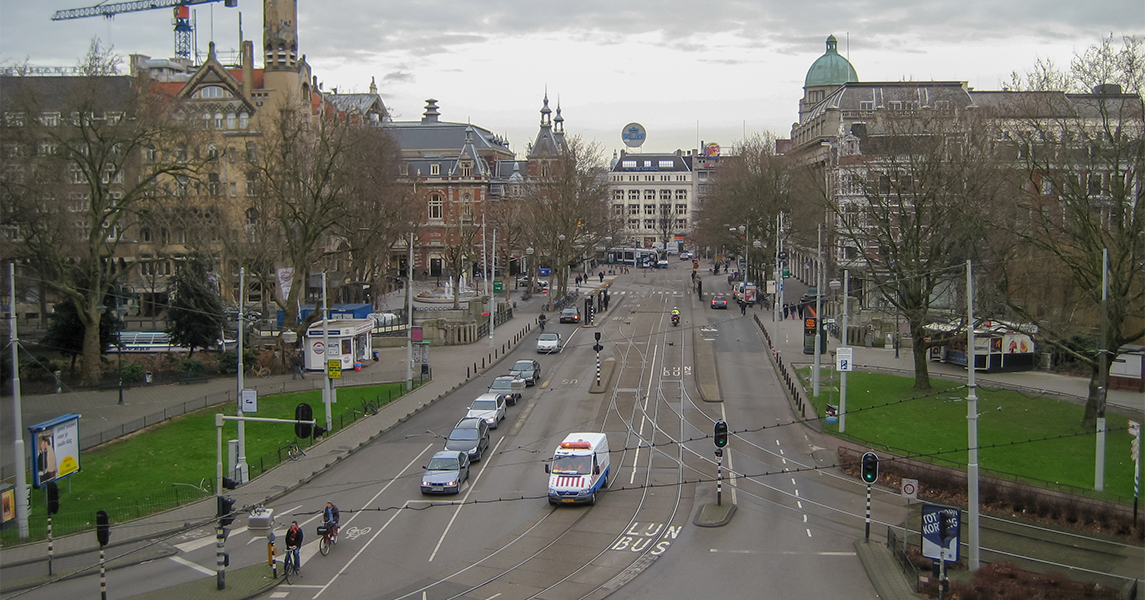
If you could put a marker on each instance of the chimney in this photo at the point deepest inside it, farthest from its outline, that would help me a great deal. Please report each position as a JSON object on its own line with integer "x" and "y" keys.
{"x": 248, "y": 68}
{"x": 431, "y": 113}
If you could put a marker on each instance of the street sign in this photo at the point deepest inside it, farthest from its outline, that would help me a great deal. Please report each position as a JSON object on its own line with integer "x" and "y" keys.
{"x": 335, "y": 367}
{"x": 843, "y": 359}
{"x": 910, "y": 488}
{"x": 498, "y": 287}
{"x": 941, "y": 526}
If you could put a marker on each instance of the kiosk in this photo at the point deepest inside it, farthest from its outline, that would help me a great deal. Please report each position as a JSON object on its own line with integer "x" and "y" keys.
{"x": 350, "y": 343}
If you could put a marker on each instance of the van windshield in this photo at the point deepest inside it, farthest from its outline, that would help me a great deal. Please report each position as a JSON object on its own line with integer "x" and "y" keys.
{"x": 573, "y": 465}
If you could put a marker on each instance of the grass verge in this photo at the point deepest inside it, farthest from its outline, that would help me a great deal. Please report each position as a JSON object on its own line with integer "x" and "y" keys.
{"x": 173, "y": 463}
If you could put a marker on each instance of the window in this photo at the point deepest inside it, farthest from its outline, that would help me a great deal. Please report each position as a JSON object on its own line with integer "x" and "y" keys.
{"x": 884, "y": 185}
{"x": 403, "y": 170}
{"x": 618, "y": 210}
{"x": 212, "y": 152}
{"x": 1094, "y": 184}
{"x": 234, "y": 189}
{"x": 214, "y": 186}
{"x": 633, "y": 194}
{"x": 467, "y": 169}
{"x": 206, "y": 120}
{"x": 164, "y": 236}
{"x": 111, "y": 175}
{"x": 896, "y": 105}
{"x": 47, "y": 148}
{"x": 150, "y": 155}
{"x": 634, "y": 223}
{"x": 252, "y": 216}
{"x": 666, "y": 164}
{"x": 1047, "y": 186}
{"x": 681, "y": 209}
{"x": 681, "y": 194}
{"x": 649, "y": 223}
{"x": 145, "y": 234}
{"x": 628, "y": 164}
{"x": 649, "y": 209}
{"x": 251, "y": 152}
{"x": 251, "y": 184}
{"x": 75, "y": 173}
{"x": 866, "y": 105}
{"x": 618, "y": 194}
{"x": 649, "y": 194}
{"x": 230, "y": 120}
{"x": 219, "y": 122}
{"x": 181, "y": 187}
{"x": 51, "y": 119}
{"x": 665, "y": 195}
{"x": 79, "y": 202}
{"x": 14, "y": 119}
{"x": 212, "y": 91}
{"x": 436, "y": 207}
{"x": 435, "y": 169}
{"x": 633, "y": 209}
{"x": 681, "y": 223}
{"x": 244, "y": 120}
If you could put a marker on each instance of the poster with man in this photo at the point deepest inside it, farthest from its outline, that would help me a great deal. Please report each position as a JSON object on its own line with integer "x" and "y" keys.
{"x": 56, "y": 451}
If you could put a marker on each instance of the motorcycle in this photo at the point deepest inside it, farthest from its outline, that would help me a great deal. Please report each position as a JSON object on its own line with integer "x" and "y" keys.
{"x": 675, "y": 320}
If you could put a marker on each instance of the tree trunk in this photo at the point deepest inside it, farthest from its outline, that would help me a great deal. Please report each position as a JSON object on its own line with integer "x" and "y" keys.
{"x": 92, "y": 357}
{"x": 921, "y": 364}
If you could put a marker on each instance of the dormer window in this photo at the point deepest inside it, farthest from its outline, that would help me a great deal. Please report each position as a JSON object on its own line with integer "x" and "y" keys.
{"x": 435, "y": 169}
{"x": 212, "y": 91}
{"x": 467, "y": 169}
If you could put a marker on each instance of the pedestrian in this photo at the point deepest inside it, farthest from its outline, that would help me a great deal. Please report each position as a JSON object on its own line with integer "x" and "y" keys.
{"x": 298, "y": 364}
{"x": 785, "y": 309}
{"x": 602, "y": 276}
{"x": 700, "y": 289}
{"x": 743, "y": 308}
{"x": 293, "y": 543}
{"x": 542, "y": 321}
{"x": 578, "y": 280}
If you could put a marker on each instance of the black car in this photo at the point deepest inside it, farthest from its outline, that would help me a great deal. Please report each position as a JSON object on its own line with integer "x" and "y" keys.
{"x": 527, "y": 369}
{"x": 719, "y": 302}
{"x": 470, "y": 436}
{"x": 570, "y": 315}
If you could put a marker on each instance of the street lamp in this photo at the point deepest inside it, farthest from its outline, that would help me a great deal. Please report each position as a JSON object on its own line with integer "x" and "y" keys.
{"x": 528, "y": 260}
{"x": 121, "y": 315}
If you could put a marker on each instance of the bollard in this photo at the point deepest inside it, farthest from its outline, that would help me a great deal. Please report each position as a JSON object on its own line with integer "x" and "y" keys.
{"x": 482, "y": 362}
{"x": 467, "y": 372}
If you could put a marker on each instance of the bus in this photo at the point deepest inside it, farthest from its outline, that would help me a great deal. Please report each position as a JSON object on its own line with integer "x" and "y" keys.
{"x": 637, "y": 257}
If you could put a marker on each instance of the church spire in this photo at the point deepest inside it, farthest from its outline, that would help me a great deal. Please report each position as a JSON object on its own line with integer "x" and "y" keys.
{"x": 280, "y": 35}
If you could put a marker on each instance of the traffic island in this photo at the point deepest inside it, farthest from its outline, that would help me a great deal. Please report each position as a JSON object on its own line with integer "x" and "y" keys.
{"x": 247, "y": 582}
{"x": 607, "y": 366}
{"x": 715, "y": 515}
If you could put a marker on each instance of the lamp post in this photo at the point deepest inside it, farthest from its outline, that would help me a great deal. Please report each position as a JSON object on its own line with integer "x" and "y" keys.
{"x": 121, "y": 316}
{"x": 528, "y": 264}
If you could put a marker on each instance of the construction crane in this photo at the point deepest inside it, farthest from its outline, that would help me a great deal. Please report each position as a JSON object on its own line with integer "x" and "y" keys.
{"x": 183, "y": 28}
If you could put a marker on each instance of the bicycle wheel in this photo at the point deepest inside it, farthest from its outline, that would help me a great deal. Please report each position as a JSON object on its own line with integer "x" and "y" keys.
{"x": 295, "y": 452}
{"x": 324, "y": 545}
{"x": 263, "y": 373}
{"x": 288, "y": 571}
{"x": 372, "y": 407}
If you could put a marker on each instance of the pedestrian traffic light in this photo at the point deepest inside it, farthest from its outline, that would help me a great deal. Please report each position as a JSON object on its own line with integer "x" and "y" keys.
{"x": 229, "y": 484}
{"x": 53, "y": 498}
{"x": 303, "y": 412}
{"x": 944, "y": 526}
{"x": 319, "y": 431}
{"x": 870, "y": 468}
{"x": 226, "y": 506}
{"x": 721, "y": 434}
{"x": 102, "y": 528}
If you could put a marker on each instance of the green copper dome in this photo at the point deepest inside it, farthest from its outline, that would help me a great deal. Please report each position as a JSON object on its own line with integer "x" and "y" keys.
{"x": 831, "y": 68}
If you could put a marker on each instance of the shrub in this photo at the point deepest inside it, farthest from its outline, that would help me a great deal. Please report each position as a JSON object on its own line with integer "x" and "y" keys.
{"x": 132, "y": 372}
{"x": 227, "y": 361}
{"x": 192, "y": 365}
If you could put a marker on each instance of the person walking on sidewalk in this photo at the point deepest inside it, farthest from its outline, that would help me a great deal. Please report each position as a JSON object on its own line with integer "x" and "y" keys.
{"x": 293, "y": 543}
{"x": 542, "y": 320}
{"x": 299, "y": 363}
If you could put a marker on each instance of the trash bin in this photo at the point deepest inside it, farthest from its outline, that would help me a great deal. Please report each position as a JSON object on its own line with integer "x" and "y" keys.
{"x": 424, "y": 369}
{"x": 147, "y": 377}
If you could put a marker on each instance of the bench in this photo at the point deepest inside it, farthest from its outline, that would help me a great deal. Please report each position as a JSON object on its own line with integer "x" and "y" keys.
{"x": 193, "y": 378}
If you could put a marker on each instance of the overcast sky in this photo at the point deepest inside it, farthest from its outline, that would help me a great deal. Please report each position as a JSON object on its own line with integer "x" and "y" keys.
{"x": 687, "y": 70}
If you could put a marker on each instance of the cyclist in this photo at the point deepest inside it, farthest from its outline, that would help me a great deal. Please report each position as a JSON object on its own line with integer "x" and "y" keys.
{"x": 293, "y": 543}
{"x": 542, "y": 321}
{"x": 330, "y": 518}
{"x": 675, "y": 315}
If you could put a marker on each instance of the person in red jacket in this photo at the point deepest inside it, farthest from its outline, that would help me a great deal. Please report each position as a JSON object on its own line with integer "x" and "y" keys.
{"x": 293, "y": 543}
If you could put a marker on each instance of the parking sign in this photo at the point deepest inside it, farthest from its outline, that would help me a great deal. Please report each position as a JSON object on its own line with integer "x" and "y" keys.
{"x": 843, "y": 359}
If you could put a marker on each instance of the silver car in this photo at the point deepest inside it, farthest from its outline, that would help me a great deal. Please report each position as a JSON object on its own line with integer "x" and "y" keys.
{"x": 489, "y": 408}
{"x": 550, "y": 341}
{"x": 445, "y": 473}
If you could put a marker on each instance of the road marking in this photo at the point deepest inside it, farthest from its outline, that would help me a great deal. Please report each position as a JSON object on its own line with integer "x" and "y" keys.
{"x": 780, "y": 553}
{"x": 647, "y": 393}
{"x": 808, "y": 532}
{"x": 461, "y": 504}
{"x": 187, "y": 563}
{"x": 380, "y": 529}
{"x": 520, "y": 422}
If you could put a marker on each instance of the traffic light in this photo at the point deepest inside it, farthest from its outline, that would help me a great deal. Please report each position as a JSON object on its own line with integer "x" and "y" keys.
{"x": 102, "y": 528}
{"x": 226, "y": 506}
{"x": 319, "y": 431}
{"x": 944, "y": 526}
{"x": 597, "y": 345}
{"x": 721, "y": 434}
{"x": 303, "y": 412}
{"x": 53, "y": 498}
{"x": 229, "y": 484}
{"x": 870, "y": 468}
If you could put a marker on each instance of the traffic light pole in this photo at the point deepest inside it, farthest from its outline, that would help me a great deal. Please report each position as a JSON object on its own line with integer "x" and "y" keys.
{"x": 719, "y": 475}
{"x": 220, "y": 539}
{"x": 867, "y": 532}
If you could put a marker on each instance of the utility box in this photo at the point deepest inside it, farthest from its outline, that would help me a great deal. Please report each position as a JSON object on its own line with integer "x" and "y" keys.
{"x": 260, "y": 522}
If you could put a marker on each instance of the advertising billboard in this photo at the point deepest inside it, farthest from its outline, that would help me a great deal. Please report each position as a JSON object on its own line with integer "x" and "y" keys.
{"x": 55, "y": 449}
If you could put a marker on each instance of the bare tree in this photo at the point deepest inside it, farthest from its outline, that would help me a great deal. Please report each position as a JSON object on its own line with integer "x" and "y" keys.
{"x": 90, "y": 152}
{"x": 1081, "y": 156}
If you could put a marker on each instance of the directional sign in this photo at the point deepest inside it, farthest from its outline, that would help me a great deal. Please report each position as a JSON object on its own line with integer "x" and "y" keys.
{"x": 335, "y": 367}
{"x": 843, "y": 359}
{"x": 935, "y": 545}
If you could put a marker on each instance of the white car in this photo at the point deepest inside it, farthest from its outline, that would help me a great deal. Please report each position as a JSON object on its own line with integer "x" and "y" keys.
{"x": 489, "y": 408}
{"x": 384, "y": 319}
{"x": 550, "y": 341}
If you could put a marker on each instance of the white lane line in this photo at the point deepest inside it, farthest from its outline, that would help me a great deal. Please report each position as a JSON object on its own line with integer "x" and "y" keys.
{"x": 187, "y": 563}
{"x": 808, "y": 532}
{"x": 647, "y": 394}
{"x": 380, "y": 529}
{"x": 472, "y": 485}
{"x": 804, "y": 518}
{"x": 793, "y": 481}
{"x": 798, "y": 503}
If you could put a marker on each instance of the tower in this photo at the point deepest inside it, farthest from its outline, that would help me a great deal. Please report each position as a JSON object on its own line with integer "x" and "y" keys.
{"x": 280, "y": 35}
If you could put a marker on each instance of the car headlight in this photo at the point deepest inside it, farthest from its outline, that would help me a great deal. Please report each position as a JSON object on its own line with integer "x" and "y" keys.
{"x": 490, "y": 420}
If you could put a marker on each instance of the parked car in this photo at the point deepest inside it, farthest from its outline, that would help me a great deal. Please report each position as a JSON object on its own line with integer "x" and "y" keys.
{"x": 489, "y": 407}
{"x": 445, "y": 473}
{"x": 719, "y": 302}
{"x": 527, "y": 369}
{"x": 685, "y": 255}
{"x": 470, "y": 436}
{"x": 570, "y": 315}
{"x": 550, "y": 341}
{"x": 510, "y": 386}
{"x": 385, "y": 319}
{"x": 524, "y": 282}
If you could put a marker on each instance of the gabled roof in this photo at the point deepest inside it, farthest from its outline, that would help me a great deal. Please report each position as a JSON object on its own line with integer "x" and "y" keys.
{"x": 362, "y": 104}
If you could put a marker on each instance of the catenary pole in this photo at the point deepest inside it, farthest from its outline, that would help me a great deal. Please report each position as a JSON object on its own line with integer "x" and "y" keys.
{"x": 326, "y": 382}
{"x": 241, "y": 467}
{"x": 818, "y": 310}
{"x": 17, "y": 420}
{"x": 1103, "y": 374}
{"x": 843, "y": 375}
{"x": 972, "y": 425}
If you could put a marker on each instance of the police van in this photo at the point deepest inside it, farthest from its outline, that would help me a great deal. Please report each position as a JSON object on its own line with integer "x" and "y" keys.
{"x": 579, "y": 469}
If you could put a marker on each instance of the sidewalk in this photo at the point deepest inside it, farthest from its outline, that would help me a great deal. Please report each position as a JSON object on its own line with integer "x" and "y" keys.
{"x": 452, "y": 366}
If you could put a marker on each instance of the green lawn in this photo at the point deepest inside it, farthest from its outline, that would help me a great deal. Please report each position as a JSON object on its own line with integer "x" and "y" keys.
{"x": 144, "y": 472}
{"x": 884, "y": 411}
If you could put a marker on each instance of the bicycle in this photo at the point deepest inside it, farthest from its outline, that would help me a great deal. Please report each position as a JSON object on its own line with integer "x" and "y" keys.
{"x": 329, "y": 535}
{"x": 288, "y": 569}
{"x": 294, "y": 451}
{"x": 260, "y": 372}
{"x": 369, "y": 407}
